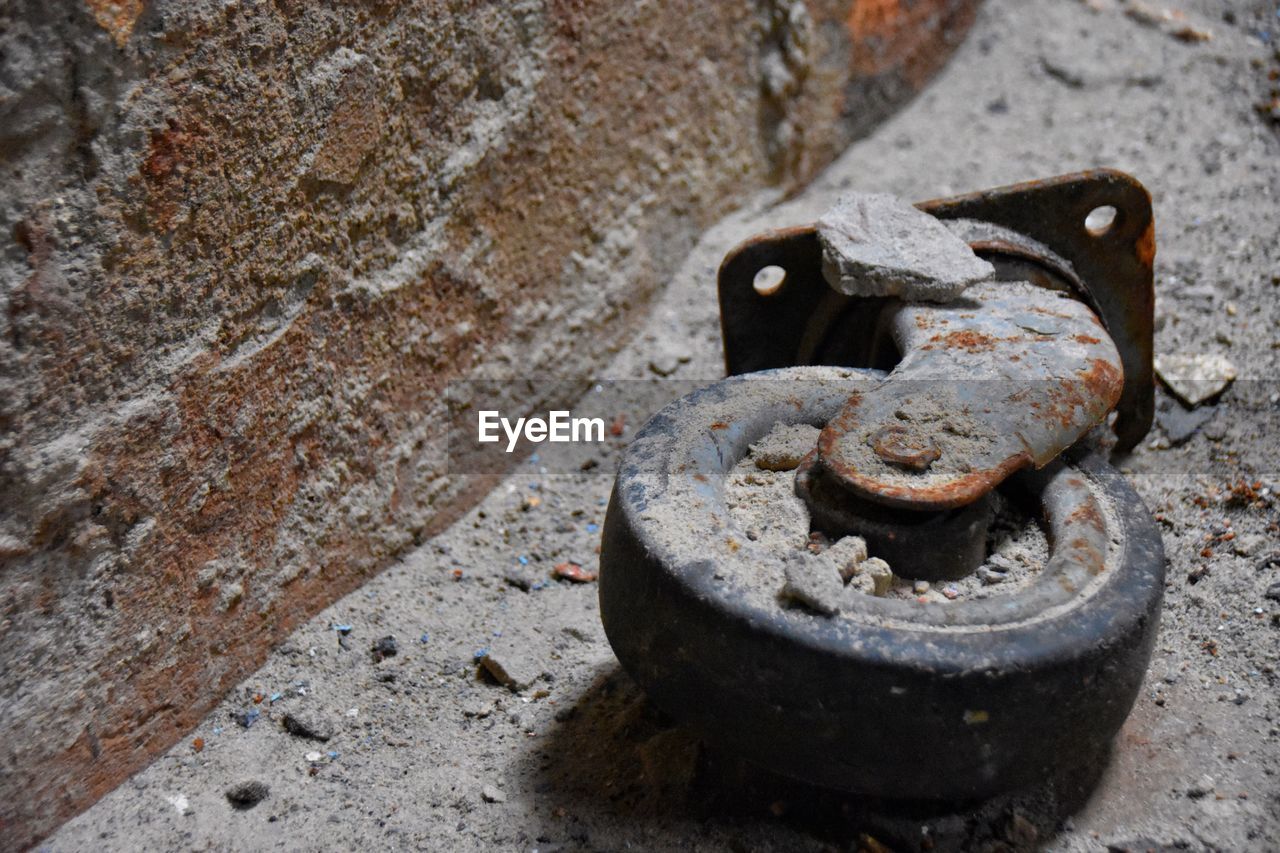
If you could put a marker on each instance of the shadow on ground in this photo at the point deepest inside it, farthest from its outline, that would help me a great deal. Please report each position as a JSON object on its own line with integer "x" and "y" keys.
{"x": 617, "y": 756}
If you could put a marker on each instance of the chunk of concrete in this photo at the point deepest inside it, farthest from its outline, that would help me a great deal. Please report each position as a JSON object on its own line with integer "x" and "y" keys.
{"x": 814, "y": 584}
{"x": 1195, "y": 378}
{"x": 513, "y": 664}
{"x": 879, "y": 573}
{"x": 878, "y": 245}
{"x": 845, "y": 555}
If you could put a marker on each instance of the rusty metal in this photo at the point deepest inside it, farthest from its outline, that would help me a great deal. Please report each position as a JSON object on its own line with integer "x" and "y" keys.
{"x": 898, "y": 445}
{"x": 940, "y": 415}
{"x": 1031, "y": 231}
{"x": 1010, "y": 375}
{"x": 891, "y": 697}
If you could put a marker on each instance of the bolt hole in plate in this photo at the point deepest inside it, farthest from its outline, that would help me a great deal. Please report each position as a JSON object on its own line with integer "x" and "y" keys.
{"x": 769, "y": 280}
{"x": 1100, "y": 220}
{"x": 895, "y": 698}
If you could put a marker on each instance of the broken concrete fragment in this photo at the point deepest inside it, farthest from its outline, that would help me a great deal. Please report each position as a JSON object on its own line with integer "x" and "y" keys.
{"x": 383, "y": 648}
{"x": 877, "y": 245}
{"x": 785, "y": 447}
{"x": 1195, "y": 378}
{"x": 306, "y": 726}
{"x": 512, "y": 665}
{"x": 492, "y": 794}
{"x": 815, "y": 584}
{"x": 246, "y": 795}
{"x": 880, "y": 574}
{"x": 991, "y": 577}
{"x": 845, "y": 555}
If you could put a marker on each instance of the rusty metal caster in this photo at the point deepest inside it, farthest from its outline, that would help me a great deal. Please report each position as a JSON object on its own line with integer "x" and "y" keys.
{"x": 925, "y": 420}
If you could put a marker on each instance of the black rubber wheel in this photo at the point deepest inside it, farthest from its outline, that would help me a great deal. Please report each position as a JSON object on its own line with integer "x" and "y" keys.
{"x": 896, "y": 698}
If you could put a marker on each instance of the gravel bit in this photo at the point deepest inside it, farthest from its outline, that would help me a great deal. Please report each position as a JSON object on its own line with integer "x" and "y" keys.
{"x": 384, "y": 648}
{"x": 512, "y": 665}
{"x": 246, "y": 795}
{"x": 306, "y": 726}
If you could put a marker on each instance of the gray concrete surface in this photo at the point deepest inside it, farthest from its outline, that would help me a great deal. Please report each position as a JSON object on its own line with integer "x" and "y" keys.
{"x": 427, "y": 753}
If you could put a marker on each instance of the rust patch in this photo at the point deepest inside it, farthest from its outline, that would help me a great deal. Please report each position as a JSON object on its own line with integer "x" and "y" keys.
{"x": 1087, "y": 514}
{"x": 117, "y": 17}
{"x": 719, "y": 425}
{"x": 967, "y": 340}
{"x": 1145, "y": 247}
{"x": 1086, "y": 339}
{"x": 170, "y": 156}
{"x": 903, "y": 37}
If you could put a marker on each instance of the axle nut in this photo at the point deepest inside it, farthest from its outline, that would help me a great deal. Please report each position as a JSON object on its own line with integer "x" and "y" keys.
{"x": 905, "y": 448}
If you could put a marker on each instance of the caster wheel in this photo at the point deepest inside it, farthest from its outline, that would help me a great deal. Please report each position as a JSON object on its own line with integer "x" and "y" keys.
{"x": 896, "y": 697}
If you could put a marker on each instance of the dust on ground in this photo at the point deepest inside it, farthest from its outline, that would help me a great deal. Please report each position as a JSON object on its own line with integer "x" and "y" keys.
{"x": 426, "y": 751}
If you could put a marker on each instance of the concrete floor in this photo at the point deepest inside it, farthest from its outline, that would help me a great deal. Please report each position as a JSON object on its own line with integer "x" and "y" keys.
{"x": 426, "y": 753}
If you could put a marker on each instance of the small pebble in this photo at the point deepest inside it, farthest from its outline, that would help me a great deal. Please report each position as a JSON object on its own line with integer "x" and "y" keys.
{"x": 384, "y": 648}
{"x": 990, "y": 577}
{"x": 490, "y": 794}
{"x": 814, "y": 584}
{"x": 512, "y": 665}
{"x": 246, "y": 795}
{"x": 879, "y": 572}
{"x": 306, "y": 726}
{"x": 573, "y": 572}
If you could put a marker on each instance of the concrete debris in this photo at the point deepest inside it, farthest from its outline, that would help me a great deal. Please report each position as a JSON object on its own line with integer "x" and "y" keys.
{"x": 990, "y": 576}
{"x": 878, "y": 573}
{"x": 491, "y": 794}
{"x": 1193, "y": 379}
{"x": 815, "y": 584}
{"x": 512, "y": 665}
{"x": 785, "y": 447}
{"x": 1171, "y": 22}
{"x": 573, "y": 572}
{"x": 383, "y": 648}
{"x": 306, "y": 726}
{"x": 877, "y": 245}
{"x": 246, "y": 795}
{"x": 845, "y": 556}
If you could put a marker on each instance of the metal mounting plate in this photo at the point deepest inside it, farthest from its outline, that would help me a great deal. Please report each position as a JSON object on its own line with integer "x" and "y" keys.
{"x": 806, "y": 322}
